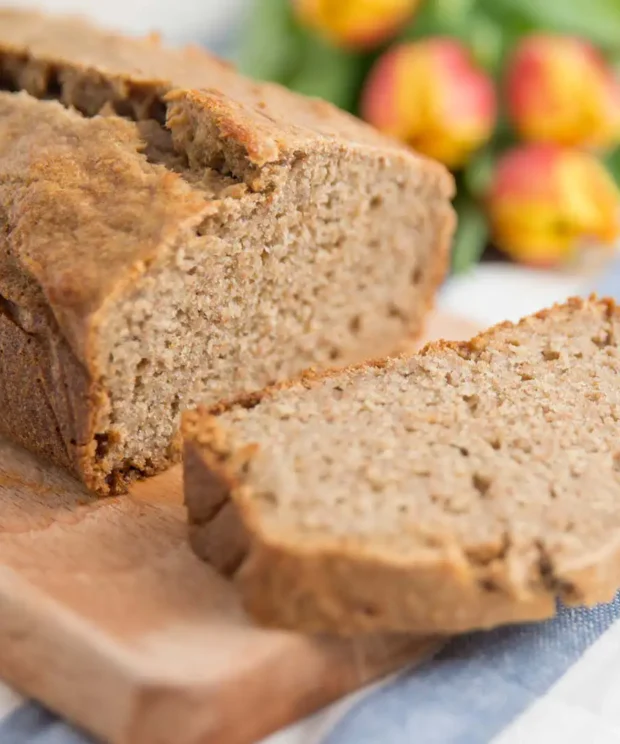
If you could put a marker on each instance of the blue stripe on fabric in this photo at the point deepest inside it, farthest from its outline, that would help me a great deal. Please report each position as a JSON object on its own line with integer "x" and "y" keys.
{"x": 478, "y": 684}
{"x": 32, "y": 724}
{"x": 467, "y": 694}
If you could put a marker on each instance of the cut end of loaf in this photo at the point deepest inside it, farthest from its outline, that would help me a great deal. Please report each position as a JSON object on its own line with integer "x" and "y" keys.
{"x": 336, "y": 266}
{"x": 307, "y": 238}
{"x": 471, "y": 485}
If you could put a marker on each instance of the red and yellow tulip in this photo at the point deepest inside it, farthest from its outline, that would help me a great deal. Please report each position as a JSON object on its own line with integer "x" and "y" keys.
{"x": 546, "y": 202}
{"x": 431, "y": 95}
{"x": 560, "y": 90}
{"x": 355, "y": 24}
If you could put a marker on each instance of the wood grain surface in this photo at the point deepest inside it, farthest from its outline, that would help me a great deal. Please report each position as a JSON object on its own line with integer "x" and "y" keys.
{"x": 108, "y": 618}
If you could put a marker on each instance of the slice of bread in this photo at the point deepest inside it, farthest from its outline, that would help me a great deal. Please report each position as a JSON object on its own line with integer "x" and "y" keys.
{"x": 228, "y": 237}
{"x": 467, "y": 486}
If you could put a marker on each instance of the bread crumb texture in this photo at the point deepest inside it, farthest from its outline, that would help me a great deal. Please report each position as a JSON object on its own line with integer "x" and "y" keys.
{"x": 470, "y": 485}
{"x": 183, "y": 234}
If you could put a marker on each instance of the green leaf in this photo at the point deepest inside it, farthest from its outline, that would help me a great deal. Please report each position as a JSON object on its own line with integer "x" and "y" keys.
{"x": 328, "y": 72}
{"x": 465, "y": 21}
{"x": 597, "y": 20}
{"x": 471, "y": 237}
{"x": 612, "y": 162}
{"x": 478, "y": 172}
{"x": 440, "y": 18}
{"x": 487, "y": 40}
{"x": 512, "y": 18}
{"x": 269, "y": 48}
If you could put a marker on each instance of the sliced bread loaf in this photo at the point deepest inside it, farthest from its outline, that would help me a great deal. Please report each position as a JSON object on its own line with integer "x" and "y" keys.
{"x": 470, "y": 485}
{"x": 228, "y": 238}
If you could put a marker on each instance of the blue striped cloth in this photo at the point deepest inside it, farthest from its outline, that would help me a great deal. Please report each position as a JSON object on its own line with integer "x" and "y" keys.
{"x": 532, "y": 684}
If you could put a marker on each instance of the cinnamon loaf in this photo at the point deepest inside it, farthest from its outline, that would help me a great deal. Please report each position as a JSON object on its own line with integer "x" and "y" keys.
{"x": 470, "y": 485}
{"x": 182, "y": 235}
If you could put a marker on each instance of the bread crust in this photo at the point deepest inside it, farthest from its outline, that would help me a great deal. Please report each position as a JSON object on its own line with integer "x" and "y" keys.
{"x": 345, "y": 586}
{"x": 84, "y": 214}
{"x": 91, "y": 68}
{"x": 62, "y": 260}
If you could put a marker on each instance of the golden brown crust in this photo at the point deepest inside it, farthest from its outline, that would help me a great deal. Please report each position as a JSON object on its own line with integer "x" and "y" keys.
{"x": 269, "y": 122}
{"x": 74, "y": 192}
{"x": 78, "y": 192}
{"x": 34, "y": 419}
{"x": 312, "y": 587}
{"x": 478, "y": 342}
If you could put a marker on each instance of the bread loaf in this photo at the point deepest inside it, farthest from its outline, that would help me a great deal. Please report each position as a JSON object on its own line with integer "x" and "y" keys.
{"x": 184, "y": 235}
{"x": 471, "y": 485}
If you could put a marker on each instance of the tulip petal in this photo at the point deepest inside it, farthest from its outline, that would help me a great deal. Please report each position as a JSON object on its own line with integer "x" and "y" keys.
{"x": 355, "y": 23}
{"x": 430, "y": 95}
{"x": 547, "y": 202}
{"x": 561, "y": 90}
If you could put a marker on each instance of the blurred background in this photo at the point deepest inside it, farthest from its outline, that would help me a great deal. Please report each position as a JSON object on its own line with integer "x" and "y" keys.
{"x": 179, "y": 21}
{"x": 519, "y": 98}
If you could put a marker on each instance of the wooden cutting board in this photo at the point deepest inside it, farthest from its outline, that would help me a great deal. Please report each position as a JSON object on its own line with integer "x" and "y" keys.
{"x": 108, "y": 618}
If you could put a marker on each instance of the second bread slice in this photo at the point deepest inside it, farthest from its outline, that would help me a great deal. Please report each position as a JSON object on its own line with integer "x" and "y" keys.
{"x": 471, "y": 485}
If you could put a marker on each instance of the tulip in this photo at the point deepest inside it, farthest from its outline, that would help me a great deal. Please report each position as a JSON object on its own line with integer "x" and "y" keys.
{"x": 356, "y": 24}
{"x": 560, "y": 90}
{"x": 432, "y": 96}
{"x": 546, "y": 202}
